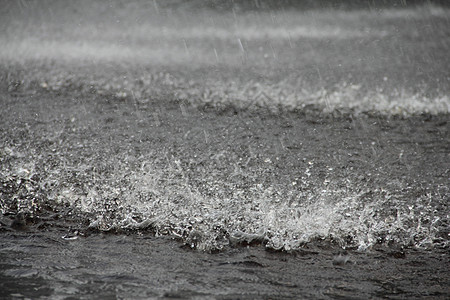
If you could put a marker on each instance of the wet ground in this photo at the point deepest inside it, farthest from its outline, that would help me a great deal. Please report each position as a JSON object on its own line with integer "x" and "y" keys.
{"x": 45, "y": 265}
{"x": 168, "y": 151}
{"x": 54, "y": 255}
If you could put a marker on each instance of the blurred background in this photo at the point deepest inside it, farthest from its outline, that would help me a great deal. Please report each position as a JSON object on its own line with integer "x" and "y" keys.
{"x": 299, "y": 51}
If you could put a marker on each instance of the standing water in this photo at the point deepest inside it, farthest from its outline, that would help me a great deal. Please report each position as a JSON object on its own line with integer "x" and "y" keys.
{"x": 168, "y": 150}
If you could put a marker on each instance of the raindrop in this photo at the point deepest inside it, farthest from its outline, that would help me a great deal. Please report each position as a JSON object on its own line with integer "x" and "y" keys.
{"x": 240, "y": 45}
{"x": 290, "y": 41}
{"x": 217, "y": 56}
{"x": 186, "y": 49}
{"x": 273, "y": 51}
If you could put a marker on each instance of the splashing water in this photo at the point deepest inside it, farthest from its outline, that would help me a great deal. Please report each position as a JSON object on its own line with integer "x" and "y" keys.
{"x": 211, "y": 213}
{"x": 74, "y": 158}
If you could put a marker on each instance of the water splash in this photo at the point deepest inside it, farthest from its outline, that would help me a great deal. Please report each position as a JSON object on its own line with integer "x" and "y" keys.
{"x": 212, "y": 213}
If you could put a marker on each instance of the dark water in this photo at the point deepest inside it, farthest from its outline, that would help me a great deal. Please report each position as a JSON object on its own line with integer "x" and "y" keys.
{"x": 158, "y": 153}
{"x": 325, "y": 188}
{"x": 44, "y": 265}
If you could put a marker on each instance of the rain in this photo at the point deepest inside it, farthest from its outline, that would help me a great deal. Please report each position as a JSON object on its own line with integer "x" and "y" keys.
{"x": 209, "y": 149}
